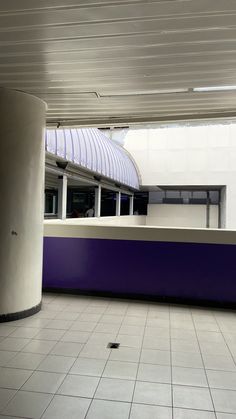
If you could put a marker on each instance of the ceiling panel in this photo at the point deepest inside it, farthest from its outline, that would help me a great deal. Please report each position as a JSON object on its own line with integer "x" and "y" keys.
{"x": 79, "y": 55}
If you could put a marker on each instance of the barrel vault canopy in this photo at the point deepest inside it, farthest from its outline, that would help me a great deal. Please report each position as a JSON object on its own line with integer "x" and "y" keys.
{"x": 90, "y": 149}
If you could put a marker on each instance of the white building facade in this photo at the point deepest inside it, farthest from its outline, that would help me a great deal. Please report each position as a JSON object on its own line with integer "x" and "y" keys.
{"x": 197, "y": 158}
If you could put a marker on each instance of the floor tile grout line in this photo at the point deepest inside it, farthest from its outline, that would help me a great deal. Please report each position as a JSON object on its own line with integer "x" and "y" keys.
{"x": 53, "y": 395}
{"x": 212, "y": 401}
{"x": 62, "y": 381}
{"x": 101, "y": 376}
{"x": 121, "y": 401}
{"x": 17, "y": 390}
{"x": 109, "y": 378}
{"x": 122, "y": 346}
{"x": 140, "y": 355}
{"x": 234, "y": 360}
{"x": 66, "y": 375}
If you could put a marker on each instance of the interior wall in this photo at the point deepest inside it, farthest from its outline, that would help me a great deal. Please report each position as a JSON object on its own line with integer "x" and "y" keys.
{"x": 170, "y": 215}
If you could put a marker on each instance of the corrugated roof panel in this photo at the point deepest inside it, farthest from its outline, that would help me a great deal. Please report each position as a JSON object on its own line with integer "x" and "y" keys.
{"x": 92, "y": 150}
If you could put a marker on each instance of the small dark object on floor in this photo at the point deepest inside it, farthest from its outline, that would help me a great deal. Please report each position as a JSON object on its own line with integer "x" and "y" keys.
{"x": 113, "y": 345}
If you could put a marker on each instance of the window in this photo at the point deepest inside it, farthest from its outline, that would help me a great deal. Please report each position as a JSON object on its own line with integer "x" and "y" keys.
{"x": 50, "y": 202}
{"x": 184, "y": 196}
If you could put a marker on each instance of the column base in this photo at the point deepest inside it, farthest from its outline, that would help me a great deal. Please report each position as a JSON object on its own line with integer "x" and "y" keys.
{"x": 20, "y": 314}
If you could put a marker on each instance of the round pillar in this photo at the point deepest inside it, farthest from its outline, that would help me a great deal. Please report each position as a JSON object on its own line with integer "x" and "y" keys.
{"x": 22, "y": 122}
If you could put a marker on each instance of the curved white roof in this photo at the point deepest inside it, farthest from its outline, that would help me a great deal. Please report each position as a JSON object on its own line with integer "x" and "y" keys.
{"x": 90, "y": 149}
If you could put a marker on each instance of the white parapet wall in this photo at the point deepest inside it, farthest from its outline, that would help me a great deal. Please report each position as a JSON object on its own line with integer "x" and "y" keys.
{"x": 62, "y": 228}
{"x": 180, "y": 264}
{"x": 124, "y": 220}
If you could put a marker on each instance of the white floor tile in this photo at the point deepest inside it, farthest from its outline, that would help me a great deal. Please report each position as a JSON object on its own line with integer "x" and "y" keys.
{"x": 13, "y": 378}
{"x": 83, "y": 326}
{"x": 39, "y": 346}
{"x": 67, "y": 349}
{"x": 50, "y": 334}
{"x": 96, "y": 352}
{"x": 13, "y": 344}
{"x": 79, "y": 385}
{"x": 224, "y": 400}
{"x": 183, "y": 334}
{"x": 192, "y": 414}
{"x": 112, "y": 319}
{"x": 210, "y": 336}
{"x": 208, "y": 349}
{"x": 24, "y": 332}
{"x": 192, "y": 397}
{"x": 189, "y": 376}
{"x": 28, "y": 405}
{"x": 89, "y": 317}
{"x": 154, "y": 373}
{"x": 35, "y": 322}
{"x": 182, "y": 345}
{"x": 125, "y": 354}
{"x": 152, "y": 393}
{"x": 24, "y": 361}
{"x": 161, "y": 332}
{"x": 155, "y": 356}
{"x": 222, "y": 379}
{"x": 131, "y": 330}
{"x": 56, "y": 363}
{"x": 5, "y": 396}
{"x": 118, "y": 369}
{"x": 102, "y": 409}
{"x": 64, "y": 407}
{"x": 101, "y": 338}
{"x": 185, "y": 359}
{"x": 59, "y": 324}
{"x": 5, "y": 357}
{"x": 129, "y": 341}
{"x": 153, "y": 342}
{"x": 219, "y": 362}
{"x": 44, "y": 382}
{"x": 114, "y": 389}
{"x": 142, "y": 411}
{"x": 134, "y": 320}
{"x": 6, "y": 330}
{"x": 88, "y": 366}
{"x": 67, "y": 315}
{"x": 75, "y": 336}
{"x": 107, "y": 328}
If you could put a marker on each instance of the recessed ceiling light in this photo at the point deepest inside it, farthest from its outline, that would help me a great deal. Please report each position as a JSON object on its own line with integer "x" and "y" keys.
{"x": 143, "y": 92}
{"x": 213, "y": 88}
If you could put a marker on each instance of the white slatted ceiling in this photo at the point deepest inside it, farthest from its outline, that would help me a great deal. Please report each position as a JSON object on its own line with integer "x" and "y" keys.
{"x": 77, "y": 55}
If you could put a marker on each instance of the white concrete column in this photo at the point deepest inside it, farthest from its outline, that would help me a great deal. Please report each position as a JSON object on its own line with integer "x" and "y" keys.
{"x": 98, "y": 197}
{"x": 22, "y": 121}
{"x": 131, "y": 205}
{"x": 62, "y": 197}
{"x": 118, "y": 203}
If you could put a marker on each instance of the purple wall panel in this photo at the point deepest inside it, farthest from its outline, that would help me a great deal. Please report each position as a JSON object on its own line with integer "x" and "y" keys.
{"x": 161, "y": 269}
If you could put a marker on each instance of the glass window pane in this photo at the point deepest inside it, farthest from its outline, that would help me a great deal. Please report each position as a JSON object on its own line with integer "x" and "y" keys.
{"x": 156, "y": 197}
{"x": 172, "y": 194}
{"x": 214, "y": 197}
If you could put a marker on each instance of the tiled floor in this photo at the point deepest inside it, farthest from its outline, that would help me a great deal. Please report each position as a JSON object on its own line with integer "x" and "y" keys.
{"x": 174, "y": 362}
